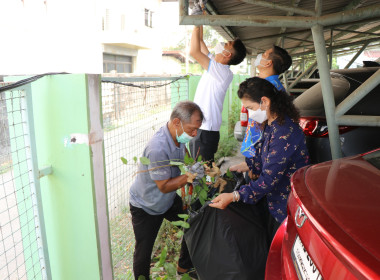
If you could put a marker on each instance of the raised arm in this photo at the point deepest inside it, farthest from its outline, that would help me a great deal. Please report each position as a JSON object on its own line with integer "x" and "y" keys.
{"x": 196, "y": 50}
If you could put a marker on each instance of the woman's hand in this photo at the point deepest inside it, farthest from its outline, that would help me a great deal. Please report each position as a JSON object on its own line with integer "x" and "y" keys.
{"x": 222, "y": 200}
{"x": 241, "y": 167}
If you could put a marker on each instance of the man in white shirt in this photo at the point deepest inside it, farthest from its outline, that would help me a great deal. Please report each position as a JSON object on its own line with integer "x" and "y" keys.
{"x": 212, "y": 88}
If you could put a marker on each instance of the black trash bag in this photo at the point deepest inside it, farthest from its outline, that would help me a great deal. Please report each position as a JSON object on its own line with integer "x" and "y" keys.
{"x": 233, "y": 184}
{"x": 228, "y": 244}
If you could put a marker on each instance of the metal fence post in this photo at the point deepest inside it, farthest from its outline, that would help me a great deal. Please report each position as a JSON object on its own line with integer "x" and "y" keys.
{"x": 44, "y": 257}
{"x": 327, "y": 90}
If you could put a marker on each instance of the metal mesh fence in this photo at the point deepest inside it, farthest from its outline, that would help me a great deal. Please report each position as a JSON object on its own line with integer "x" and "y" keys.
{"x": 131, "y": 115}
{"x": 21, "y": 254}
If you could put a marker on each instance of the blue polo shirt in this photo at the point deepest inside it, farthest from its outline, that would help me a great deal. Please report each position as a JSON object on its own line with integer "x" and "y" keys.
{"x": 144, "y": 192}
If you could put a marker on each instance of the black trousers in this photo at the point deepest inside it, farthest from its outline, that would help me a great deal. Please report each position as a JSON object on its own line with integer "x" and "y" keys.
{"x": 269, "y": 222}
{"x": 206, "y": 142}
{"x": 146, "y": 227}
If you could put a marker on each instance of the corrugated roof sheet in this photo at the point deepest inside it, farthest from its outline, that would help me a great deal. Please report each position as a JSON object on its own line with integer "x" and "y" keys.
{"x": 297, "y": 41}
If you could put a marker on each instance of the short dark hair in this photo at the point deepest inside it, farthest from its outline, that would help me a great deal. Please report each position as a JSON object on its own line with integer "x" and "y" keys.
{"x": 240, "y": 52}
{"x": 281, "y": 59}
{"x": 281, "y": 103}
{"x": 184, "y": 110}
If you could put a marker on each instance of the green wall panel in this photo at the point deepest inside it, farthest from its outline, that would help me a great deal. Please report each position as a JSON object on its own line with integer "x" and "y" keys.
{"x": 67, "y": 194}
{"x": 60, "y": 105}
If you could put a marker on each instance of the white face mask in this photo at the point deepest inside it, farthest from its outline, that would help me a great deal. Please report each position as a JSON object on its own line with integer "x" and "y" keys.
{"x": 219, "y": 48}
{"x": 258, "y": 59}
{"x": 259, "y": 115}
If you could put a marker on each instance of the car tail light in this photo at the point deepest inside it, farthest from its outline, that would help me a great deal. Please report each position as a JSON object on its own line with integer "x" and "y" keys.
{"x": 243, "y": 116}
{"x": 317, "y": 127}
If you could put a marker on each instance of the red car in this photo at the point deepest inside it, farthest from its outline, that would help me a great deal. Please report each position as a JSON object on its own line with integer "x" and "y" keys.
{"x": 332, "y": 230}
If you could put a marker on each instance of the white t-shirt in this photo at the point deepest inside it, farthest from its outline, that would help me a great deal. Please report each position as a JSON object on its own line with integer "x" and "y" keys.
{"x": 210, "y": 93}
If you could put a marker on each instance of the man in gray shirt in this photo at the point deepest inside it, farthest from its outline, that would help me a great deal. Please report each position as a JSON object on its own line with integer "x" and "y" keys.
{"x": 153, "y": 193}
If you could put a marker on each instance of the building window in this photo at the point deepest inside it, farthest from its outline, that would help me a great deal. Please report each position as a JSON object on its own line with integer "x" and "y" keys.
{"x": 118, "y": 63}
{"x": 148, "y": 18}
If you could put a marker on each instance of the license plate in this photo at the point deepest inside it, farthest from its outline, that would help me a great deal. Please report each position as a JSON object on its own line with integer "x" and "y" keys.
{"x": 305, "y": 267}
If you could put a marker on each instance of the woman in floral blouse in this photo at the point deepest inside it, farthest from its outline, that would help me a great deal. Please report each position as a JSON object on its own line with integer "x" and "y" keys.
{"x": 280, "y": 151}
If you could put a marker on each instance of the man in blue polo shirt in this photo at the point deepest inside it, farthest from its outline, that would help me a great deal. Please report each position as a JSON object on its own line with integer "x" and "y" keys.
{"x": 153, "y": 193}
{"x": 270, "y": 64}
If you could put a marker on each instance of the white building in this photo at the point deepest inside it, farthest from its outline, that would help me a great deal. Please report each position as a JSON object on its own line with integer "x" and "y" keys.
{"x": 130, "y": 38}
{"x": 86, "y": 36}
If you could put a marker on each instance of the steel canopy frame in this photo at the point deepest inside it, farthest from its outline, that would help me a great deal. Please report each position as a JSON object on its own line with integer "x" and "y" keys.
{"x": 316, "y": 22}
{"x": 372, "y": 11}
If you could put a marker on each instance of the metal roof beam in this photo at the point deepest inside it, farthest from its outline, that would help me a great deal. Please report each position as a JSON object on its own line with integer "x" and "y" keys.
{"x": 354, "y": 4}
{"x": 358, "y": 25}
{"x": 211, "y": 8}
{"x": 297, "y": 39}
{"x": 356, "y": 56}
{"x": 318, "y": 7}
{"x": 372, "y": 11}
{"x": 340, "y": 46}
{"x": 303, "y": 75}
{"x": 341, "y": 34}
{"x": 248, "y": 20}
{"x": 358, "y": 32}
{"x": 339, "y": 51}
{"x": 276, "y": 35}
{"x": 277, "y": 21}
{"x": 355, "y": 120}
{"x": 294, "y": 3}
{"x": 275, "y": 6}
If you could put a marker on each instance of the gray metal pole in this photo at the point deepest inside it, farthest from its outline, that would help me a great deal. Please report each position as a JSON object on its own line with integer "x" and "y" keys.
{"x": 318, "y": 7}
{"x": 359, "y": 120}
{"x": 248, "y": 20}
{"x": 272, "y": 5}
{"x": 372, "y": 11}
{"x": 327, "y": 90}
{"x": 331, "y": 48}
{"x": 358, "y": 94}
{"x": 356, "y": 56}
{"x": 311, "y": 72}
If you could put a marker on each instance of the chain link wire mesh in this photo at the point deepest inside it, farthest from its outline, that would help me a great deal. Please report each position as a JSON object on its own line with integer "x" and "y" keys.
{"x": 132, "y": 113}
{"x": 21, "y": 254}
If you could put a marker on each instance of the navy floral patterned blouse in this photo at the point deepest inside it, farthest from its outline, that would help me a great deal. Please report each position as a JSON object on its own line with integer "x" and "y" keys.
{"x": 280, "y": 151}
